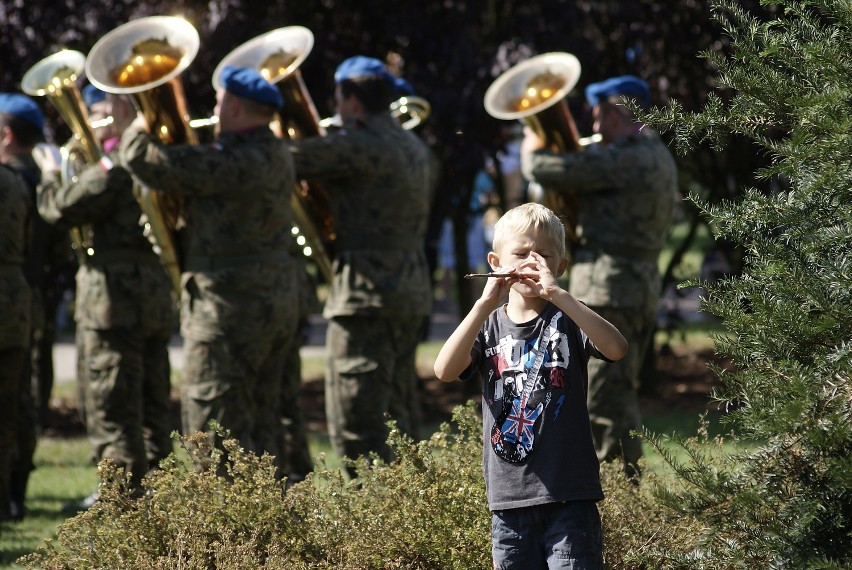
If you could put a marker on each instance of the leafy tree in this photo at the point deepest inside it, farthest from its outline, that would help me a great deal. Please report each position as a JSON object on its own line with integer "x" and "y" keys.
{"x": 788, "y": 502}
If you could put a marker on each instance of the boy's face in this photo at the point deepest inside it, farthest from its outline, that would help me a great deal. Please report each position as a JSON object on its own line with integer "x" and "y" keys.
{"x": 515, "y": 252}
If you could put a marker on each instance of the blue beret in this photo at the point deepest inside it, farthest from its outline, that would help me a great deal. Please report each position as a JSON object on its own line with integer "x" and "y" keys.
{"x": 629, "y": 85}
{"x": 363, "y": 66}
{"x": 359, "y": 66}
{"x": 92, "y": 95}
{"x": 248, "y": 83}
{"x": 23, "y": 107}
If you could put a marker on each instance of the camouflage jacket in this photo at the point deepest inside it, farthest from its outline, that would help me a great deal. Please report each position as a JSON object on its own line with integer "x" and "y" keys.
{"x": 237, "y": 268}
{"x": 122, "y": 283}
{"x": 625, "y": 194}
{"x": 379, "y": 178}
{"x": 15, "y": 299}
{"x": 49, "y": 246}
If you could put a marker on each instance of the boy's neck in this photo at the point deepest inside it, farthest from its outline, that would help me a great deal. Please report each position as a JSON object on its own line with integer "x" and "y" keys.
{"x": 522, "y": 309}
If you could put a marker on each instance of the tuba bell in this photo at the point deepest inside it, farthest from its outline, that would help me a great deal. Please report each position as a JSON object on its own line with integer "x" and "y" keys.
{"x": 55, "y": 77}
{"x": 277, "y": 55}
{"x": 145, "y": 58}
{"x": 534, "y": 92}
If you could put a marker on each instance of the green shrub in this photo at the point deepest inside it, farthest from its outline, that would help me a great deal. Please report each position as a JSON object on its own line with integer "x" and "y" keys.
{"x": 425, "y": 510}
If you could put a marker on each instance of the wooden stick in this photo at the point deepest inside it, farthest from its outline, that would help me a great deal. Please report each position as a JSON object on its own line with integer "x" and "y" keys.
{"x": 509, "y": 275}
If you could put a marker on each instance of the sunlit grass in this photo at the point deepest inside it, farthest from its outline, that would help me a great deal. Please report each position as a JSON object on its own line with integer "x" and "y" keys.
{"x": 63, "y": 475}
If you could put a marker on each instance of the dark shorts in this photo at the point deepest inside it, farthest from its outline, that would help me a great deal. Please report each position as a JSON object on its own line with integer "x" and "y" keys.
{"x": 556, "y": 535}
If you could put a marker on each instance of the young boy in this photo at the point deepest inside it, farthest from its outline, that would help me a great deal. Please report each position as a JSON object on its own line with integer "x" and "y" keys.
{"x": 541, "y": 471}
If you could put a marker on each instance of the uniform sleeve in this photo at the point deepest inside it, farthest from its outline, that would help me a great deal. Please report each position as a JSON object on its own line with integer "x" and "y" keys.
{"x": 186, "y": 169}
{"x": 88, "y": 200}
{"x": 596, "y": 168}
{"x": 325, "y": 158}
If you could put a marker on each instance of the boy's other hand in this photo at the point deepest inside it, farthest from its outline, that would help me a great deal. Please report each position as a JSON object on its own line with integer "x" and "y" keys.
{"x": 496, "y": 289}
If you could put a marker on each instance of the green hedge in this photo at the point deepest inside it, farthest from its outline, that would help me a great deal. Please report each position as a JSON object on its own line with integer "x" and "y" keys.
{"x": 425, "y": 510}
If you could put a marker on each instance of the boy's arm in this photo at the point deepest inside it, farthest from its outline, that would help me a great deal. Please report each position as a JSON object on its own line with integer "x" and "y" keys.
{"x": 454, "y": 356}
{"x": 600, "y": 331}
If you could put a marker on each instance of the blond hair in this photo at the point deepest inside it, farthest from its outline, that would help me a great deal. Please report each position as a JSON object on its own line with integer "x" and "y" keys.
{"x": 535, "y": 216}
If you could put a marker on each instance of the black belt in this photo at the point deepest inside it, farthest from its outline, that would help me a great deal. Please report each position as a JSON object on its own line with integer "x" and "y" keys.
{"x": 217, "y": 262}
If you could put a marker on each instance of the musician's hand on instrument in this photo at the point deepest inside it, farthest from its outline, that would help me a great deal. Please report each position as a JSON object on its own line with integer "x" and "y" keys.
{"x": 47, "y": 158}
{"x": 139, "y": 123}
{"x": 531, "y": 142}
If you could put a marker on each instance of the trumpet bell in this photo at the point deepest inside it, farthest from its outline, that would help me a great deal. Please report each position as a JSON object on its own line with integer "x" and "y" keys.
{"x": 54, "y": 73}
{"x": 142, "y": 54}
{"x": 532, "y": 86}
{"x": 275, "y": 54}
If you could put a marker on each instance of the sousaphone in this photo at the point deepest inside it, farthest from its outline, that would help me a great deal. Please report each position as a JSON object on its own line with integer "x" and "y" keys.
{"x": 533, "y": 92}
{"x": 55, "y": 77}
{"x": 277, "y": 55}
{"x": 144, "y": 58}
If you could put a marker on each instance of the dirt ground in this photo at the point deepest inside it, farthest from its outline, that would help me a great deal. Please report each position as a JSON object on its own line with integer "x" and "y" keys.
{"x": 683, "y": 382}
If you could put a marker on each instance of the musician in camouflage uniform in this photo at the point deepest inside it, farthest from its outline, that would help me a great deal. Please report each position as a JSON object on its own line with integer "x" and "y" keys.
{"x": 379, "y": 178}
{"x": 15, "y": 301}
{"x": 239, "y": 298}
{"x": 124, "y": 308}
{"x": 625, "y": 189}
{"x": 21, "y": 126}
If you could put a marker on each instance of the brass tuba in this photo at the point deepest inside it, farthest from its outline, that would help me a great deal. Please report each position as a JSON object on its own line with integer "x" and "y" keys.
{"x": 145, "y": 58}
{"x": 55, "y": 77}
{"x": 277, "y": 55}
{"x": 534, "y": 92}
{"x": 409, "y": 110}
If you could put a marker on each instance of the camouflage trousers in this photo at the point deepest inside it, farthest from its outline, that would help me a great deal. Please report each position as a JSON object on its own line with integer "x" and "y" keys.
{"x": 126, "y": 390}
{"x": 29, "y": 418}
{"x": 12, "y": 362}
{"x": 296, "y": 459}
{"x": 613, "y": 400}
{"x": 238, "y": 385}
{"x": 371, "y": 378}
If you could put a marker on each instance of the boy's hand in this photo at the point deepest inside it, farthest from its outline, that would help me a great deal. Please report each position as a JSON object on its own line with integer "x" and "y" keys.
{"x": 497, "y": 289}
{"x": 541, "y": 280}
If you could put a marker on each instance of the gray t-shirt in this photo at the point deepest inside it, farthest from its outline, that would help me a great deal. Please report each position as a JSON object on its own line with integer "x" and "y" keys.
{"x": 537, "y": 441}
